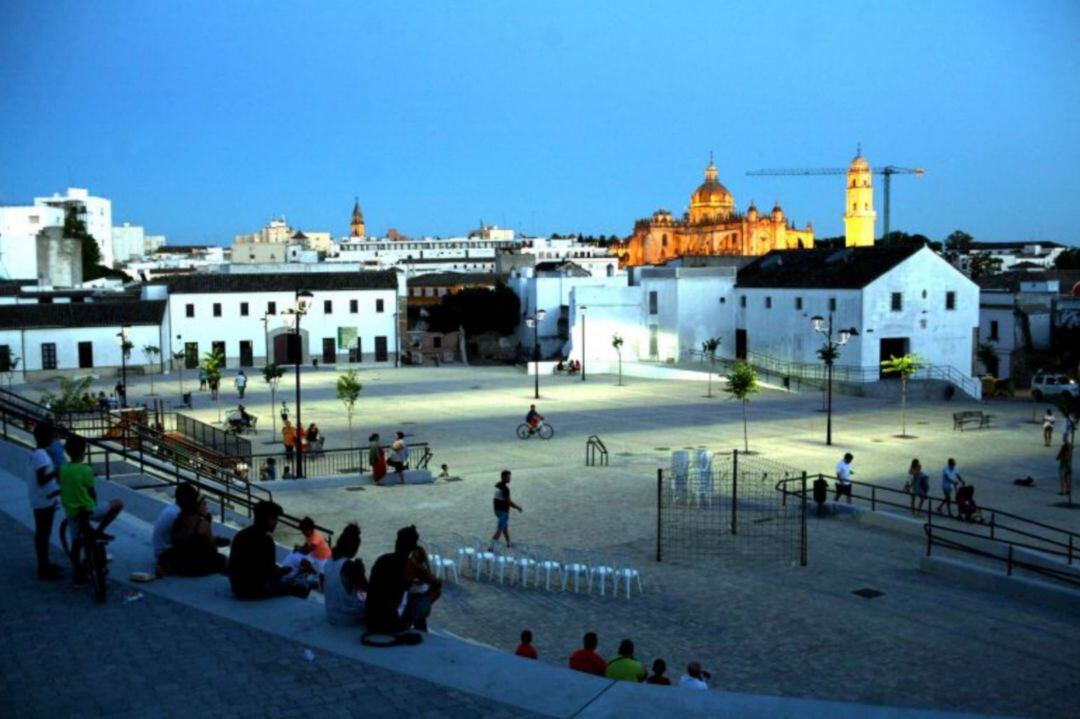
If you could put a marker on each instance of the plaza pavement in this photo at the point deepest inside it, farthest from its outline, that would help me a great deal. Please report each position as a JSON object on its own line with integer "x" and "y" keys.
{"x": 767, "y": 629}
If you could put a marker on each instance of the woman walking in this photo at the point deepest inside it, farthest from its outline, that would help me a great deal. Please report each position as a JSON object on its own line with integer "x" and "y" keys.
{"x": 919, "y": 482}
{"x": 1048, "y": 427}
{"x": 376, "y": 458}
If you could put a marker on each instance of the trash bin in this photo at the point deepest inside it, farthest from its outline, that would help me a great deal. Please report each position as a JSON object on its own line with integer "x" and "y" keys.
{"x": 186, "y": 399}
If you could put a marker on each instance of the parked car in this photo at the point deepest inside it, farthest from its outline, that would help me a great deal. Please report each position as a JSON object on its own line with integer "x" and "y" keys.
{"x": 1048, "y": 384}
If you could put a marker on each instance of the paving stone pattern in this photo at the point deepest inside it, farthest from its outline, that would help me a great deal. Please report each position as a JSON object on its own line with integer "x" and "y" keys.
{"x": 64, "y": 656}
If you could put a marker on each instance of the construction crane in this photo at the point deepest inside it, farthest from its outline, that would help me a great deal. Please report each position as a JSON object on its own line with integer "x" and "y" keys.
{"x": 887, "y": 172}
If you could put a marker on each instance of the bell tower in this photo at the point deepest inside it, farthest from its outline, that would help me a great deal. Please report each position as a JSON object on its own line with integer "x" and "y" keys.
{"x": 356, "y": 227}
{"x": 859, "y": 215}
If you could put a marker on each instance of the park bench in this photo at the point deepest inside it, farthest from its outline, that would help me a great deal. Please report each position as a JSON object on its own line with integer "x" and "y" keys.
{"x": 971, "y": 418}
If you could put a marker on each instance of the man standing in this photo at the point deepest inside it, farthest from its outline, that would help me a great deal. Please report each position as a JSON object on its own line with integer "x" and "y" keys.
{"x": 399, "y": 456}
{"x": 1064, "y": 458}
{"x": 43, "y": 490}
{"x": 843, "y": 477}
{"x": 241, "y": 383}
{"x": 502, "y": 504}
{"x": 288, "y": 438}
{"x": 950, "y": 480}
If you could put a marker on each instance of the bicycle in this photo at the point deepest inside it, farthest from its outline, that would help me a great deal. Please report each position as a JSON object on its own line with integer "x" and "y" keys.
{"x": 544, "y": 430}
{"x": 94, "y": 563}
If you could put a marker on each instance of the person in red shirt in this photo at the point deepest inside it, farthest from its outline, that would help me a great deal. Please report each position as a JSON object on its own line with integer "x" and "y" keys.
{"x": 526, "y": 649}
{"x": 586, "y": 659}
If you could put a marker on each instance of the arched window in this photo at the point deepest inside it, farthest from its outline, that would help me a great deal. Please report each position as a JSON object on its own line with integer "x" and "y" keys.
{"x": 611, "y": 270}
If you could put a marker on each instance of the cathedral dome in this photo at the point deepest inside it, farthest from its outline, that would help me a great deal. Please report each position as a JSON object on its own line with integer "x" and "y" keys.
{"x": 711, "y": 201}
{"x": 777, "y": 213}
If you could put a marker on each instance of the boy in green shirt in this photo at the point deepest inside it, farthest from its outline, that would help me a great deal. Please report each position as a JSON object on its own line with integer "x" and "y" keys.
{"x": 623, "y": 667}
{"x": 78, "y": 497}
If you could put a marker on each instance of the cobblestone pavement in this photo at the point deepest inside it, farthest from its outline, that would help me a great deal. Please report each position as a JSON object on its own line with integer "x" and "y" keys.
{"x": 64, "y": 656}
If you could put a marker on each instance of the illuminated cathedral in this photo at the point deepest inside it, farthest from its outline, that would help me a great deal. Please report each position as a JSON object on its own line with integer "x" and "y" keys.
{"x": 712, "y": 226}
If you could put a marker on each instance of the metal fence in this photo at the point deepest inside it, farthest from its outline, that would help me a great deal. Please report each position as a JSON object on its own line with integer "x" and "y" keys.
{"x": 726, "y": 507}
{"x": 332, "y": 462}
{"x": 227, "y": 443}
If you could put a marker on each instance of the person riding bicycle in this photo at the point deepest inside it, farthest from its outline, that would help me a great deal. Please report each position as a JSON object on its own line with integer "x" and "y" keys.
{"x": 241, "y": 419}
{"x": 79, "y": 500}
{"x": 533, "y": 418}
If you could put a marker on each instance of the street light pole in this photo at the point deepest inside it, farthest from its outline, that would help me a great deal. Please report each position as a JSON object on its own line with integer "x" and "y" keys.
{"x": 583, "y": 308}
{"x": 534, "y": 322}
{"x": 302, "y": 299}
{"x": 123, "y": 365}
{"x": 266, "y": 337}
{"x": 829, "y": 353}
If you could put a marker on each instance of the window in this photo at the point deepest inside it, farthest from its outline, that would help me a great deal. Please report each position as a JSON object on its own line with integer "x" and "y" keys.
{"x": 48, "y": 355}
{"x": 950, "y": 300}
{"x": 768, "y": 303}
{"x": 271, "y": 308}
{"x": 378, "y": 305}
{"x": 217, "y": 309}
{"x": 832, "y": 304}
{"x": 652, "y": 303}
{"x": 436, "y": 342}
{"x": 354, "y": 306}
{"x": 328, "y": 307}
{"x": 243, "y": 309}
{"x": 189, "y": 310}
{"x": 798, "y": 303}
{"x": 993, "y": 329}
{"x": 896, "y": 303}
{"x": 742, "y": 301}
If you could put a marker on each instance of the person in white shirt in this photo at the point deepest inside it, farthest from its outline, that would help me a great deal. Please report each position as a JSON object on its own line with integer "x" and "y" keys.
{"x": 695, "y": 677}
{"x": 843, "y": 476}
{"x": 241, "y": 383}
{"x": 42, "y": 490}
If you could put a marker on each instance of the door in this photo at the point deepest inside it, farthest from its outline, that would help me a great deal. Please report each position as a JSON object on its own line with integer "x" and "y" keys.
{"x": 355, "y": 353}
{"x": 740, "y": 344}
{"x": 892, "y": 347}
{"x": 86, "y": 355}
{"x": 380, "y": 349}
{"x": 218, "y": 348}
{"x": 191, "y": 355}
{"x": 287, "y": 349}
{"x": 329, "y": 351}
{"x": 654, "y": 341}
{"x": 247, "y": 354}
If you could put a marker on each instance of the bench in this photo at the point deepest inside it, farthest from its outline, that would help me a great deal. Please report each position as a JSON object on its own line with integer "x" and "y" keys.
{"x": 973, "y": 418}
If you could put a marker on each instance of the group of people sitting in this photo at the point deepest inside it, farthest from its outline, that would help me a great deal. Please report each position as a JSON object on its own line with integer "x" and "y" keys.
{"x": 569, "y": 367}
{"x": 396, "y": 596}
{"x": 621, "y": 667}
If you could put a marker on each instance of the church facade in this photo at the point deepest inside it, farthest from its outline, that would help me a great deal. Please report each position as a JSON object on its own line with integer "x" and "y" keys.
{"x": 712, "y": 226}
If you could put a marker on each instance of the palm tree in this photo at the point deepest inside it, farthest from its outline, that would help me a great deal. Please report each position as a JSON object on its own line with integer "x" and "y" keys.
{"x": 905, "y": 366}
{"x": 617, "y": 343}
{"x": 742, "y": 382}
{"x": 150, "y": 352}
{"x": 348, "y": 391}
{"x": 211, "y": 363}
{"x": 708, "y": 348}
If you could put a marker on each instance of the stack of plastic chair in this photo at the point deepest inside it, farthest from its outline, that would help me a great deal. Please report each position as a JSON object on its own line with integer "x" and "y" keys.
{"x": 546, "y": 563}
{"x": 680, "y": 473}
{"x": 577, "y": 567}
{"x": 703, "y": 477}
{"x": 524, "y": 563}
{"x": 603, "y": 570}
{"x": 628, "y": 575}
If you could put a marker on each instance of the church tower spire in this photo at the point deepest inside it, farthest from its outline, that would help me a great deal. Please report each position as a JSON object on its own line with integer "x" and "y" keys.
{"x": 356, "y": 227}
{"x": 859, "y": 215}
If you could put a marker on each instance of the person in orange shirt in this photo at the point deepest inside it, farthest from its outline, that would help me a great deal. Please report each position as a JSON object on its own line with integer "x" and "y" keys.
{"x": 315, "y": 544}
{"x": 288, "y": 438}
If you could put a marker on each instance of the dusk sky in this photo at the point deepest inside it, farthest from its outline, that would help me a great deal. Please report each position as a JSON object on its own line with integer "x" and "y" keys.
{"x": 202, "y": 120}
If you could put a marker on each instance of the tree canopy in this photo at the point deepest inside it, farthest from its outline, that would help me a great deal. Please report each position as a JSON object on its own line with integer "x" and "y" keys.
{"x": 478, "y": 310}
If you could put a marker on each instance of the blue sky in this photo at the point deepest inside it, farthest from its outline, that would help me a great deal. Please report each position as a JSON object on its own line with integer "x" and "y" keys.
{"x": 201, "y": 120}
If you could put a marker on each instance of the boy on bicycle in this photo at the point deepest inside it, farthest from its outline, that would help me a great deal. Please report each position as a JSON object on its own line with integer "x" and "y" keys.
{"x": 533, "y": 418}
{"x": 79, "y": 500}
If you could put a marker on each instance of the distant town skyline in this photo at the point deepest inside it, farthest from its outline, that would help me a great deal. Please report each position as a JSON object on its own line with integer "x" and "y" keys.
{"x": 202, "y": 121}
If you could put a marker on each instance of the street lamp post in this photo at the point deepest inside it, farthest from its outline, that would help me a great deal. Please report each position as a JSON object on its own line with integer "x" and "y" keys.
{"x": 266, "y": 337}
{"x": 583, "y": 308}
{"x": 303, "y": 301}
{"x": 533, "y": 322}
{"x": 123, "y": 338}
{"x": 180, "y": 368}
{"x": 829, "y": 352}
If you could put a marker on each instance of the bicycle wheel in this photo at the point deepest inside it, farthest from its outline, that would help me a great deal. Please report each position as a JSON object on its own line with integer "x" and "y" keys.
{"x": 64, "y": 543}
{"x": 546, "y": 431}
{"x": 98, "y": 570}
{"x": 523, "y": 431}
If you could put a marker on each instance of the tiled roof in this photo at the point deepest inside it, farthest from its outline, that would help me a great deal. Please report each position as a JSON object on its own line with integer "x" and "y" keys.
{"x": 215, "y": 282}
{"x": 843, "y": 268}
{"x": 77, "y": 314}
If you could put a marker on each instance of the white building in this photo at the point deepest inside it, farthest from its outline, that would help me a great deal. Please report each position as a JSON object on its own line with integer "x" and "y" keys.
{"x": 96, "y": 212}
{"x": 20, "y": 229}
{"x": 1014, "y": 255}
{"x": 175, "y": 259}
{"x": 128, "y": 243}
{"x": 1016, "y": 313}
{"x": 423, "y": 256}
{"x": 597, "y": 261}
{"x": 351, "y": 317}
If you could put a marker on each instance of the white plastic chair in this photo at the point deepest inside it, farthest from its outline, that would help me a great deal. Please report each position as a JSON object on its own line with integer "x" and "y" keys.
{"x": 502, "y": 561}
{"x": 466, "y": 554}
{"x": 484, "y": 558}
{"x": 576, "y": 567}
{"x": 524, "y": 563}
{"x": 442, "y": 566}
{"x": 603, "y": 570}
{"x": 628, "y": 575}
{"x": 680, "y": 472}
{"x": 546, "y": 563}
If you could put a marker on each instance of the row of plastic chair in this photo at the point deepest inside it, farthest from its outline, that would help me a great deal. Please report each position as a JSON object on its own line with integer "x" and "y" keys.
{"x": 536, "y": 563}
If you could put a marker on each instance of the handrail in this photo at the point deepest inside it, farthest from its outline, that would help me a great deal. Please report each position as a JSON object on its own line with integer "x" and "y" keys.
{"x": 343, "y": 460}
{"x": 595, "y": 450}
{"x": 1063, "y": 542}
{"x": 1010, "y": 558}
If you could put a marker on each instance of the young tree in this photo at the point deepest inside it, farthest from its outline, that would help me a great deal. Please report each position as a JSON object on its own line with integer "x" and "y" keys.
{"x": 905, "y": 366}
{"x": 272, "y": 373}
{"x": 74, "y": 396}
{"x": 742, "y": 382}
{"x": 986, "y": 353}
{"x": 348, "y": 391}
{"x": 211, "y": 363}
{"x": 151, "y": 353}
{"x": 708, "y": 348}
{"x": 617, "y": 343}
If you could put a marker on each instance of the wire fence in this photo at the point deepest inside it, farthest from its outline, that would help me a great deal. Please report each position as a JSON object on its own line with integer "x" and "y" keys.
{"x": 726, "y": 507}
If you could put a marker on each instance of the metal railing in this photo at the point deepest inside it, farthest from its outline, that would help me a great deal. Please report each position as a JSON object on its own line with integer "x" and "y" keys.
{"x": 596, "y": 453}
{"x": 227, "y": 443}
{"x": 333, "y": 462}
{"x": 998, "y": 526}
